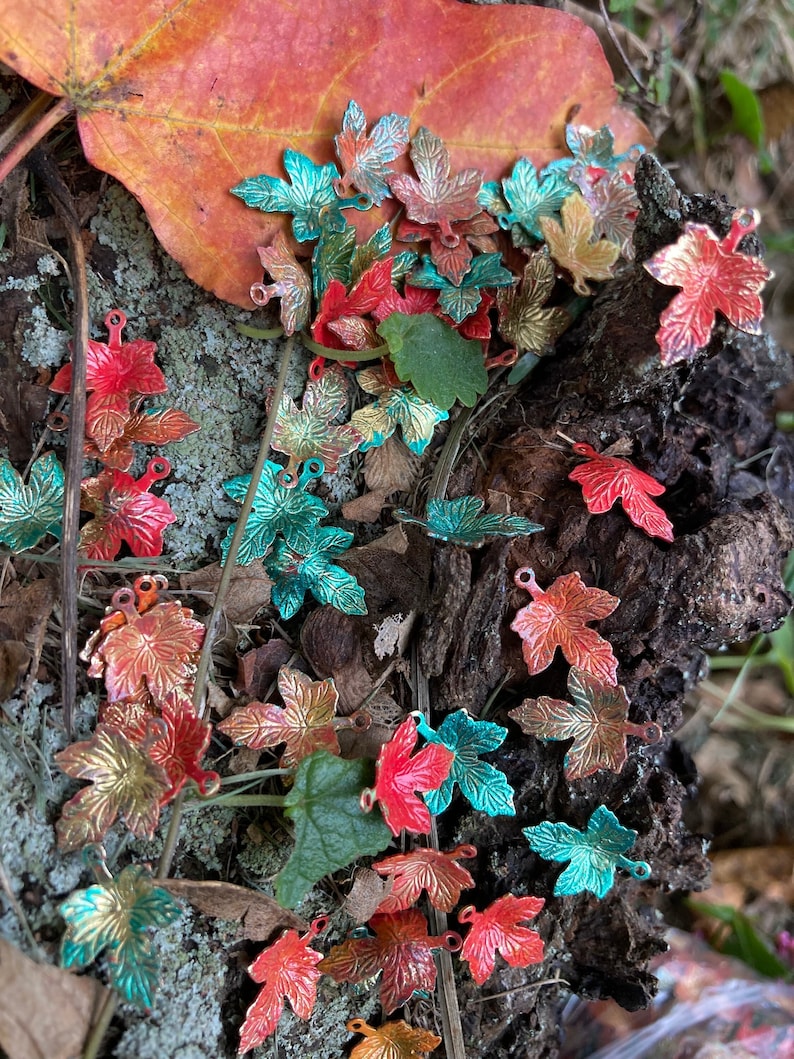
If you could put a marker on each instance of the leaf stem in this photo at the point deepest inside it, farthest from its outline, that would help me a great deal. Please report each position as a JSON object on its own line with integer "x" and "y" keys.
{"x": 100, "y": 1027}
{"x": 26, "y": 143}
{"x": 353, "y": 355}
{"x": 237, "y": 800}
{"x": 259, "y": 332}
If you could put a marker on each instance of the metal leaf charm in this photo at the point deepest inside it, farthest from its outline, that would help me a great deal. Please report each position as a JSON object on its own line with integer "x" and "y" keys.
{"x": 452, "y": 257}
{"x": 613, "y": 202}
{"x": 595, "y": 147}
{"x": 365, "y": 157}
{"x": 525, "y": 198}
{"x": 605, "y": 479}
{"x": 396, "y": 405}
{"x": 574, "y": 247}
{"x": 522, "y": 317}
{"x": 460, "y": 300}
{"x": 558, "y": 618}
{"x": 340, "y": 323}
{"x": 29, "y": 512}
{"x": 277, "y": 508}
{"x": 116, "y": 375}
{"x": 152, "y": 426}
{"x": 310, "y": 431}
{"x": 596, "y": 720}
{"x": 392, "y": 1040}
{"x": 436, "y": 873}
{"x": 295, "y": 573}
{"x": 125, "y": 781}
{"x": 290, "y": 283}
{"x": 594, "y": 854}
{"x": 115, "y": 916}
{"x": 714, "y": 277}
{"x": 125, "y": 512}
{"x": 498, "y": 929}
{"x": 401, "y": 949}
{"x": 485, "y": 787}
{"x": 460, "y": 522}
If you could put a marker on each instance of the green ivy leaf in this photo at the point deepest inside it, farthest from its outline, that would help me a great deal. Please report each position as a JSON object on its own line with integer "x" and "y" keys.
{"x": 441, "y": 365}
{"x": 331, "y": 830}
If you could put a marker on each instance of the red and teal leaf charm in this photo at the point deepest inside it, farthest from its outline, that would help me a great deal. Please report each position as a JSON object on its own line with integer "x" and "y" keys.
{"x": 291, "y": 283}
{"x": 115, "y": 916}
{"x": 459, "y": 300}
{"x": 498, "y": 929}
{"x": 452, "y": 257}
{"x": 365, "y": 157}
{"x": 593, "y": 854}
{"x": 125, "y": 512}
{"x": 392, "y": 1040}
{"x": 341, "y": 323}
{"x": 311, "y": 431}
{"x": 596, "y": 720}
{"x": 398, "y": 776}
{"x": 436, "y": 873}
{"x": 714, "y": 277}
{"x": 116, "y": 375}
{"x": 558, "y": 617}
{"x": 605, "y": 479}
{"x": 400, "y": 948}
{"x": 288, "y": 971}
{"x": 29, "y": 512}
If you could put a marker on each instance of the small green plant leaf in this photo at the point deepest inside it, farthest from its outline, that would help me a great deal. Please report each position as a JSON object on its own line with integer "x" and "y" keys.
{"x": 331, "y": 830}
{"x": 742, "y": 940}
{"x": 441, "y": 365}
{"x": 748, "y": 118}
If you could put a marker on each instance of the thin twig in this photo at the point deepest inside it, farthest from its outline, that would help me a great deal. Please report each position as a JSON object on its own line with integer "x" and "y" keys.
{"x": 26, "y": 143}
{"x": 619, "y": 48}
{"x": 40, "y": 102}
{"x": 99, "y": 1029}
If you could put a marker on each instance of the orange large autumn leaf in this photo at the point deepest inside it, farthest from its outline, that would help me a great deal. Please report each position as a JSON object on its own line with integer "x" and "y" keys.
{"x": 183, "y": 99}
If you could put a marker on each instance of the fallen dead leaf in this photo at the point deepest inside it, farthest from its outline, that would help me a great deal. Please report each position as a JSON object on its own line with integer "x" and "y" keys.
{"x": 260, "y": 916}
{"x": 249, "y": 589}
{"x": 365, "y": 508}
{"x": 14, "y": 660}
{"x": 24, "y": 613}
{"x": 391, "y": 467}
{"x": 46, "y": 1012}
{"x": 257, "y": 669}
{"x": 366, "y": 893}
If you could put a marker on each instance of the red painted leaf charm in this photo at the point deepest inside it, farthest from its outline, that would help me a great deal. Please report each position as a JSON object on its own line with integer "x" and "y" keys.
{"x": 288, "y": 969}
{"x": 125, "y": 512}
{"x": 713, "y": 277}
{"x": 398, "y": 776}
{"x": 596, "y": 720}
{"x": 558, "y": 618}
{"x": 116, "y": 374}
{"x": 498, "y": 929}
{"x": 452, "y": 257}
{"x": 340, "y": 323}
{"x": 435, "y": 872}
{"x": 401, "y": 949}
{"x": 605, "y": 479}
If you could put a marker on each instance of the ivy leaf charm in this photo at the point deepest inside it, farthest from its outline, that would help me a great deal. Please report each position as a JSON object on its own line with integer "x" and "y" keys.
{"x": 594, "y": 854}
{"x": 310, "y": 431}
{"x": 151, "y": 426}
{"x": 29, "y": 512}
{"x": 459, "y": 300}
{"x": 365, "y": 157}
{"x": 596, "y": 720}
{"x": 400, "y": 948}
{"x": 277, "y": 509}
{"x": 125, "y": 512}
{"x": 523, "y": 320}
{"x": 460, "y": 522}
{"x": 116, "y": 375}
{"x": 124, "y": 781}
{"x": 340, "y": 323}
{"x": 288, "y": 971}
{"x": 595, "y": 148}
{"x": 392, "y": 1040}
{"x": 290, "y": 283}
{"x": 525, "y": 197}
{"x": 485, "y": 787}
{"x": 436, "y": 197}
{"x": 714, "y": 277}
{"x": 452, "y": 258}
{"x": 605, "y": 479}
{"x": 398, "y": 776}
{"x": 295, "y": 573}
{"x": 436, "y": 873}
{"x": 558, "y": 618}
{"x": 396, "y": 405}
{"x": 498, "y": 929}
{"x": 115, "y": 916}
{"x": 574, "y": 247}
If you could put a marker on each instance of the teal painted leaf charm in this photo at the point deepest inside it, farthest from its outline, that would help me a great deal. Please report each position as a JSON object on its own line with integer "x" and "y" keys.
{"x": 277, "y": 508}
{"x": 29, "y": 512}
{"x": 365, "y": 157}
{"x": 396, "y": 406}
{"x": 526, "y": 196}
{"x": 331, "y": 259}
{"x": 593, "y": 854}
{"x": 485, "y": 787}
{"x": 460, "y": 522}
{"x": 595, "y": 147}
{"x": 460, "y": 300}
{"x": 310, "y": 569}
{"x": 115, "y": 916}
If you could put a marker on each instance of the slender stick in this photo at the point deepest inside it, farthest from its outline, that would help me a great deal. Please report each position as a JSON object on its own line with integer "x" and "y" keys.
{"x": 40, "y": 102}
{"x": 100, "y": 1027}
{"x": 26, "y": 143}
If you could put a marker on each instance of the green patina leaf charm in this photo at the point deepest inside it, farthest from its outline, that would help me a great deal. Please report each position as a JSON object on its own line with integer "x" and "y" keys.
{"x": 29, "y": 512}
{"x": 460, "y": 522}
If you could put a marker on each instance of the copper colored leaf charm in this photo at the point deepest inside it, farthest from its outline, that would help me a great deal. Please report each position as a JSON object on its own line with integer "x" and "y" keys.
{"x": 401, "y": 949}
{"x": 365, "y": 157}
{"x": 152, "y": 426}
{"x": 398, "y": 776}
{"x": 498, "y": 929}
{"x": 452, "y": 257}
{"x": 396, "y": 405}
{"x": 714, "y": 277}
{"x": 605, "y": 479}
{"x": 574, "y": 247}
{"x": 433, "y": 871}
{"x": 612, "y": 200}
{"x": 115, "y": 916}
{"x": 125, "y": 512}
{"x": 596, "y": 720}
{"x": 288, "y": 971}
{"x": 593, "y": 854}
{"x": 392, "y": 1040}
{"x": 311, "y": 431}
{"x": 29, "y": 512}
{"x": 523, "y": 320}
{"x": 124, "y": 780}
{"x": 558, "y": 617}
{"x": 290, "y": 283}
{"x": 461, "y": 522}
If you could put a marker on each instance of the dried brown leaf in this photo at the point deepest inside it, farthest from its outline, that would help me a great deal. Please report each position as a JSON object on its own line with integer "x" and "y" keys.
{"x": 257, "y": 669}
{"x": 249, "y": 589}
{"x": 14, "y": 660}
{"x": 366, "y": 894}
{"x": 260, "y": 916}
{"x": 365, "y": 508}
{"x": 391, "y": 467}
